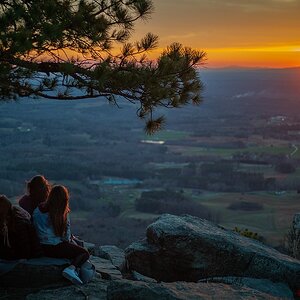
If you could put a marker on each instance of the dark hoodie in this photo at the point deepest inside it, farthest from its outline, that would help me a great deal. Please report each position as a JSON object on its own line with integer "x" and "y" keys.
{"x": 27, "y": 203}
{"x": 22, "y": 240}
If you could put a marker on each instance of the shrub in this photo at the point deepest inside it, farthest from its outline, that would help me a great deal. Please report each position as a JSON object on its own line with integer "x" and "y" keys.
{"x": 249, "y": 234}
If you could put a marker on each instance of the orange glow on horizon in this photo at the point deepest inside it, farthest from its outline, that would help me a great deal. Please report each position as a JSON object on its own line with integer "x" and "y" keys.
{"x": 254, "y": 33}
{"x": 260, "y": 57}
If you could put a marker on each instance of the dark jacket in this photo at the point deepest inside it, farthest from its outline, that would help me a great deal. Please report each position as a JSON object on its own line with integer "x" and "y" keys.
{"x": 27, "y": 203}
{"x": 21, "y": 235}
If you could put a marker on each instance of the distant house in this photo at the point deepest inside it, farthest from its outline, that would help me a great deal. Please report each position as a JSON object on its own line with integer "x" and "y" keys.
{"x": 153, "y": 142}
{"x": 277, "y": 119}
{"x": 120, "y": 181}
{"x": 294, "y": 132}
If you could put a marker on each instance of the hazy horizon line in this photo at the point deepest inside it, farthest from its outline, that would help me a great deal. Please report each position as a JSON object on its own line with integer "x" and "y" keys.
{"x": 237, "y": 67}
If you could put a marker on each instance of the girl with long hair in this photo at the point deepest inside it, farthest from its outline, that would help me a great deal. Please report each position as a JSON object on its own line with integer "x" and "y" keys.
{"x": 38, "y": 189}
{"x": 51, "y": 220}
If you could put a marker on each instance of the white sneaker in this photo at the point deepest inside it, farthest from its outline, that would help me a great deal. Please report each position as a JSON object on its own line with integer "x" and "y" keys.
{"x": 71, "y": 275}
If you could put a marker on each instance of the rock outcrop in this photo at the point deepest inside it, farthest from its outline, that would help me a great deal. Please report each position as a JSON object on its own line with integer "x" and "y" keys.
{"x": 219, "y": 263}
{"x": 36, "y": 273}
{"x": 125, "y": 290}
{"x": 114, "y": 254}
{"x": 47, "y": 272}
{"x": 97, "y": 289}
{"x": 105, "y": 268}
{"x": 188, "y": 249}
{"x": 280, "y": 290}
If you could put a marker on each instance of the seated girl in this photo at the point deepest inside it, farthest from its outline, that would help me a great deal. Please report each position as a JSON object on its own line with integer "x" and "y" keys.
{"x": 38, "y": 190}
{"x": 18, "y": 238}
{"x": 51, "y": 220}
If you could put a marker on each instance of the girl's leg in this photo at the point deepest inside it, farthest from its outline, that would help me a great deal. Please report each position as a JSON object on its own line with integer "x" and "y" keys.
{"x": 77, "y": 254}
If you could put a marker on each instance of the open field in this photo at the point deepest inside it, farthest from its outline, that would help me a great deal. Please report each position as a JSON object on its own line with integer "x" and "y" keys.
{"x": 168, "y": 135}
{"x": 272, "y": 222}
{"x": 202, "y": 151}
{"x": 228, "y": 153}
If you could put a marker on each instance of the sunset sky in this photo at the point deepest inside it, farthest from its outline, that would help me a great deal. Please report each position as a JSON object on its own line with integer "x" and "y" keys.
{"x": 246, "y": 33}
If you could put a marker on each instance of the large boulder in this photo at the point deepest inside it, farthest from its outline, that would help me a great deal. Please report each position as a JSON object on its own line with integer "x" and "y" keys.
{"x": 187, "y": 248}
{"x": 132, "y": 290}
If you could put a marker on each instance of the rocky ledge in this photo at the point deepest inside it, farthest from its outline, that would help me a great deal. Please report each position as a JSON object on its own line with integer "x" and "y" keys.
{"x": 181, "y": 258}
{"x": 131, "y": 290}
{"x": 189, "y": 249}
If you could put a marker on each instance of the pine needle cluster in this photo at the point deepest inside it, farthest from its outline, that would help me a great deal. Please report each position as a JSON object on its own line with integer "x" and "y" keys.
{"x": 66, "y": 50}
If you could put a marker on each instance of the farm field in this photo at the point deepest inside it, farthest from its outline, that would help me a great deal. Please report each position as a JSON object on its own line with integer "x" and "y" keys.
{"x": 168, "y": 135}
{"x": 228, "y": 153}
{"x": 272, "y": 222}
